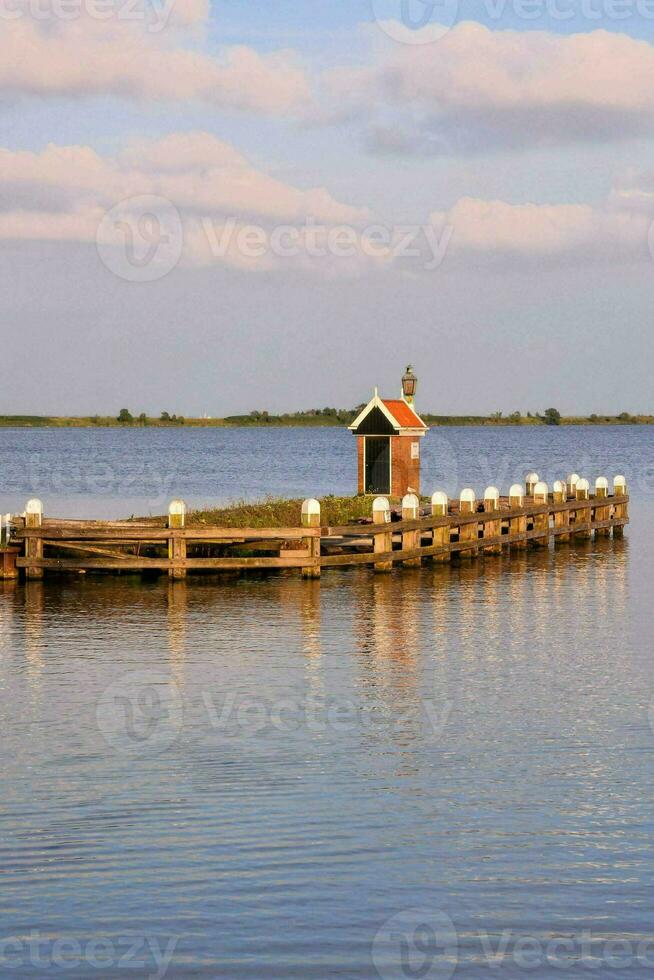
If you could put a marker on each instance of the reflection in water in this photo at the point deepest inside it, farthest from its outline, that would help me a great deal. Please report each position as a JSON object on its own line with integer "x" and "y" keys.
{"x": 533, "y": 768}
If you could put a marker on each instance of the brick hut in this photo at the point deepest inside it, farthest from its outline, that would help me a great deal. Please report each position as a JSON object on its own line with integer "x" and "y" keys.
{"x": 388, "y": 434}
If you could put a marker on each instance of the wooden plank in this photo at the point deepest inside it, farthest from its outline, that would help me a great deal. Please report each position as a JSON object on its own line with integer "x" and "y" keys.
{"x": 136, "y": 564}
{"x": 216, "y": 534}
{"x": 75, "y": 546}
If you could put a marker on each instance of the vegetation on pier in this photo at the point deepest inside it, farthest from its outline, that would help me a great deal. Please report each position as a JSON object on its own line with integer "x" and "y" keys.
{"x": 278, "y": 512}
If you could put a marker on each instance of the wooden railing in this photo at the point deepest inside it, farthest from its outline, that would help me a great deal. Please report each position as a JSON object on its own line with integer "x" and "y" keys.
{"x": 465, "y": 528}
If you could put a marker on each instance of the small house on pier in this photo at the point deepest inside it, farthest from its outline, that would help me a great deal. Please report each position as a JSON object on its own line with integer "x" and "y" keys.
{"x": 388, "y": 434}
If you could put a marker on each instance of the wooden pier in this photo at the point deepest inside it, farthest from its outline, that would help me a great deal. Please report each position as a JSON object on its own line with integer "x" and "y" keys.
{"x": 530, "y": 516}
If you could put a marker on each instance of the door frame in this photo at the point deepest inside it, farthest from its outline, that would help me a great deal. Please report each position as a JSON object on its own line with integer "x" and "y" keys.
{"x": 365, "y": 465}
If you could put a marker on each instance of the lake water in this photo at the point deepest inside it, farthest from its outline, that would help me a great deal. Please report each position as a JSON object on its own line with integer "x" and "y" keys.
{"x": 445, "y": 771}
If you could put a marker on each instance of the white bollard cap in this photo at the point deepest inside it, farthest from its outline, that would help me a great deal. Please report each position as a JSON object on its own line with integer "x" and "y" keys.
{"x": 177, "y": 508}
{"x": 439, "y": 499}
{"x": 410, "y": 502}
{"x": 467, "y": 496}
{"x": 573, "y": 479}
{"x": 541, "y": 490}
{"x": 310, "y": 507}
{"x": 532, "y": 478}
{"x": 583, "y": 485}
{"x": 559, "y": 486}
{"x": 492, "y": 493}
{"x": 619, "y": 481}
{"x": 516, "y": 491}
{"x": 34, "y": 506}
{"x": 381, "y": 503}
{"x": 601, "y": 483}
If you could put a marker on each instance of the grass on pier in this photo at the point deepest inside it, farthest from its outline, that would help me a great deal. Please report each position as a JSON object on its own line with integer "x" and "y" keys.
{"x": 275, "y": 512}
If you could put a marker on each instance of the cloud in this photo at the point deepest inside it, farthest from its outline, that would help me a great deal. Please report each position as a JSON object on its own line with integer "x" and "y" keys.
{"x": 477, "y": 89}
{"x": 160, "y": 56}
{"x": 64, "y": 194}
{"x": 574, "y": 233}
{"x": 230, "y": 213}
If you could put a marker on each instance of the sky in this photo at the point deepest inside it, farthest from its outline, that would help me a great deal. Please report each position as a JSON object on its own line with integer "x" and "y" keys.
{"x": 211, "y": 208}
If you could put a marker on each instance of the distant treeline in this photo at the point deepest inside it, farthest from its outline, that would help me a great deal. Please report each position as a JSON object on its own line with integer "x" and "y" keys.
{"x": 312, "y": 417}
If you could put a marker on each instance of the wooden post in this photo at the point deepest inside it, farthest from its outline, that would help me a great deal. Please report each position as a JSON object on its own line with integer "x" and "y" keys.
{"x": 619, "y": 510}
{"x": 381, "y": 514}
{"x": 583, "y": 514}
{"x": 602, "y": 513}
{"x": 311, "y": 518}
{"x": 542, "y": 521}
{"x": 571, "y": 490}
{"x": 517, "y": 525}
{"x": 411, "y": 539}
{"x": 561, "y": 519}
{"x": 34, "y": 546}
{"x": 530, "y": 483}
{"x": 440, "y": 508}
{"x": 8, "y": 554}
{"x": 468, "y": 532}
{"x": 492, "y": 529}
{"x": 177, "y": 546}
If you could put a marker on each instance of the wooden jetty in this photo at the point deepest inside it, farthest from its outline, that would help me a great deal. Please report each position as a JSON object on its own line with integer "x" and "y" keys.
{"x": 530, "y": 516}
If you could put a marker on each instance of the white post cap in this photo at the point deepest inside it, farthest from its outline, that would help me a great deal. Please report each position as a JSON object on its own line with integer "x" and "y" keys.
{"x": 601, "y": 483}
{"x": 176, "y": 508}
{"x": 382, "y": 505}
{"x": 573, "y": 479}
{"x": 541, "y": 490}
{"x": 410, "y": 502}
{"x": 619, "y": 481}
{"x": 439, "y": 499}
{"x": 516, "y": 491}
{"x": 559, "y": 486}
{"x": 583, "y": 485}
{"x": 532, "y": 478}
{"x": 467, "y": 496}
{"x": 310, "y": 507}
{"x": 34, "y": 506}
{"x": 492, "y": 493}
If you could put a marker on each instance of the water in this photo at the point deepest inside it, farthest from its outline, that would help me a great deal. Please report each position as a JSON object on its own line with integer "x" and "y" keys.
{"x": 394, "y": 776}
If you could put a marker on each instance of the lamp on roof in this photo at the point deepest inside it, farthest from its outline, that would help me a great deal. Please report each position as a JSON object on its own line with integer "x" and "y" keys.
{"x": 409, "y": 385}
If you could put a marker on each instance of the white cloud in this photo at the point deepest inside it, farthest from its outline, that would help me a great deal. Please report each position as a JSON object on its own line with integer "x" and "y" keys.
{"x": 160, "y": 57}
{"x": 478, "y": 88}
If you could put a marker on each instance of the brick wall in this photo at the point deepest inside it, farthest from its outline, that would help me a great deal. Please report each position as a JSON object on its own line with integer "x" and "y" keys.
{"x": 405, "y": 472}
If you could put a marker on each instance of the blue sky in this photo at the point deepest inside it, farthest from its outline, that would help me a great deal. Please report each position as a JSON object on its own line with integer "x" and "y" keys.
{"x": 149, "y": 180}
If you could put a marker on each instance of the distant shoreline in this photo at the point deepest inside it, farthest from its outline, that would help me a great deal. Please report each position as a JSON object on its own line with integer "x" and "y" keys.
{"x": 299, "y": 421}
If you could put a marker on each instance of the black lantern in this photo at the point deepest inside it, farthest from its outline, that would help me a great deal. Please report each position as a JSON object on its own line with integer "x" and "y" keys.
{"x": 409, "y": 384}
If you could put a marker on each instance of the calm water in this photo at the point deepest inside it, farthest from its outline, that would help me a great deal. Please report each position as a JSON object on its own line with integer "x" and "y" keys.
{"x": 444, "y": 771}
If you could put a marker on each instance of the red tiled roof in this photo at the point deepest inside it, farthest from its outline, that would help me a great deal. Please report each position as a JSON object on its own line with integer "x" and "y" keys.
{"x": 403, "y": 414}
